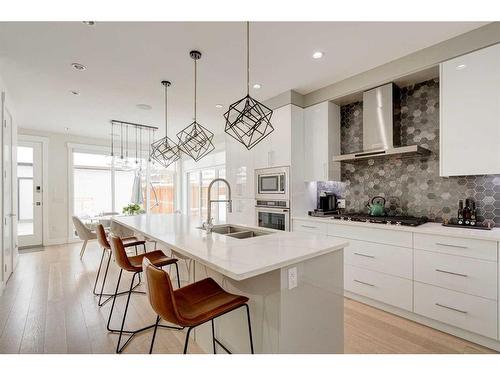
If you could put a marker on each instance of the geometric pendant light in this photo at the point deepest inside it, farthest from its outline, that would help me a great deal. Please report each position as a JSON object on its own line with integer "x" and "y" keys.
{"x": 195, "y": 140}
{"x": 164, "y": 150}
{"x": 247, "y": 120}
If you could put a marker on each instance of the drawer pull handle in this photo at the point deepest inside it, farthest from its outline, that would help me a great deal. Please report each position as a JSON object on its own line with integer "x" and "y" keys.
{"x": 447, "y": 244}
{"x": 308, "y": 226}
{"x": 362, "y": 282}
{"x": 451, "y": 308}
{"x": 364, "y": 255}
{"x": 451, "y": 273}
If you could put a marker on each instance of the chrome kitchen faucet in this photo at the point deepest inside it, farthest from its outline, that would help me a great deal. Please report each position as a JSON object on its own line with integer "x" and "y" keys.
{"x": 208, "y": 225}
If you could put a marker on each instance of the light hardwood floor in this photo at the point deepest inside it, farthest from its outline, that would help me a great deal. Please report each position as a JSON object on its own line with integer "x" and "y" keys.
{"x": 47, "y": 307}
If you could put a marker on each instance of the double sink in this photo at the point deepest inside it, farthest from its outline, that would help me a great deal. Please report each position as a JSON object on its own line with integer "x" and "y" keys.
{"x": 239, "y": 232}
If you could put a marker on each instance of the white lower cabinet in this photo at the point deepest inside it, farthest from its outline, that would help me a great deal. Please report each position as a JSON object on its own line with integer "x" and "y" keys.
{"x": 472, "y": 276}
{"x": 309, "y": 226}
{"x": 392, "y": 260}
{"x": 392, "y": 290}
{"x": 471, "y": 313}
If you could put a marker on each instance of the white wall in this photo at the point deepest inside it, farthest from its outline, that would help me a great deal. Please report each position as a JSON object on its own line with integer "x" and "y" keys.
{"x": 58, "y": 209}
{"x": 10, "y": 104}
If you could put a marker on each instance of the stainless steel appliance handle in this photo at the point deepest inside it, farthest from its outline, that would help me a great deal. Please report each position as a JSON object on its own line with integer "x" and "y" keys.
{"x": 451, "y": 308}
{"x": 362, "y": 282}
{"x": 364, "y": 255}
{"x": 451, "y": 273}
{"x": 449, "y": 245}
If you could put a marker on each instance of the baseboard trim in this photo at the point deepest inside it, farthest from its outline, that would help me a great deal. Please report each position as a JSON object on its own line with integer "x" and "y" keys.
{"x": 452, "y": 330}
{"x": 60, "y": 241}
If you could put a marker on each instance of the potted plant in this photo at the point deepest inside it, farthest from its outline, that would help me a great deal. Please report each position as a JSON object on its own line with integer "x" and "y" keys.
{"x": 133, "y": 209}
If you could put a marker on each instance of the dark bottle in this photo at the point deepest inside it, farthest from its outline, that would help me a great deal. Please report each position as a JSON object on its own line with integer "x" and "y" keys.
{"x": 467, "y": 212}
{"x": 460, "y": 214}
{"x": 473, "y": 214}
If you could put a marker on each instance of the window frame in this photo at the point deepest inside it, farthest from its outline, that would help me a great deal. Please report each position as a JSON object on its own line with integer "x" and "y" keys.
{"x": 104, "y": 150}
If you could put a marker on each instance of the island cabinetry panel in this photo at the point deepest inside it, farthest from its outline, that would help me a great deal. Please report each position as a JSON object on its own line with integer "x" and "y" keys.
{"x": 392, "y": 290}
{"x": 470, "y": 114}
{"x": 471, "y": 313}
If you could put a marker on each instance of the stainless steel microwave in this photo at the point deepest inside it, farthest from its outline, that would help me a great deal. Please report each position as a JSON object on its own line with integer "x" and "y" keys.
{"x": 272, "y": 183}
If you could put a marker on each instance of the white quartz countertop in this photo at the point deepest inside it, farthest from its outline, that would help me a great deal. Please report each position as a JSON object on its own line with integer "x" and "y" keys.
{"x": 237, "y": 259}
{"x": 429, "y": 228}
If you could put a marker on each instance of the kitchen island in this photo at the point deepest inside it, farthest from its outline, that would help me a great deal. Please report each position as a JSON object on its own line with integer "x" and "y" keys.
{"x": 294, "y": 282}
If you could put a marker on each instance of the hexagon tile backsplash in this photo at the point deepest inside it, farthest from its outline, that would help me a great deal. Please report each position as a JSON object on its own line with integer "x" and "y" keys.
{"x": 412, "y": 186}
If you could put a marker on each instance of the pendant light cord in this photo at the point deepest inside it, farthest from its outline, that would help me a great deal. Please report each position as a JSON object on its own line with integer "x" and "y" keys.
{"x": 248, "y": 57}
{"x": 195, "y": 84}
{"x": 166, "y": 111}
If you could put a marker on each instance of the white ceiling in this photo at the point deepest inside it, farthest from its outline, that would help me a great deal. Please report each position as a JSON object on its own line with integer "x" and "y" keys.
{"x": 127, "y": 60}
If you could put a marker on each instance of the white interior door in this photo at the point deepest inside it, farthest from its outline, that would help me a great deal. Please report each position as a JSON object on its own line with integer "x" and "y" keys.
{"x": 8, "y": 238}
{"x": 29, "y": 194}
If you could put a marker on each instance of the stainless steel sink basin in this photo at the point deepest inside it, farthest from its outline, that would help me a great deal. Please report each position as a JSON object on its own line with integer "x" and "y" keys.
{"x": 247, "y": 234}
{"x": 239, "y": 232}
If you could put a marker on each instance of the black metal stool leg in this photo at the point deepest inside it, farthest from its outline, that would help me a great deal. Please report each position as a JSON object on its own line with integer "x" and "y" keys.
{"x": 249, "y": 328}
{"x": 154, "y": 334}
{"x": 213, "y": 336}
{"x": 118, "y": 349}
{"x": 99, "y": 303}
{"x": 114, "y": 300}
{"x": 187, "y": 340}
{"x": 98, "y": 272}
{"x": 178, "y": 278}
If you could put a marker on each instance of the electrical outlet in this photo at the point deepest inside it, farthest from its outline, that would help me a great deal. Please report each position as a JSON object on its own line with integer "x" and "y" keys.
{"x": 292, "y": 278}
{"x": 341, "y": 203}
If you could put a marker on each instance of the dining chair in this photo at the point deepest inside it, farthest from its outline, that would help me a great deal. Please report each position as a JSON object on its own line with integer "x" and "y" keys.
{"x": 84, "y": 233}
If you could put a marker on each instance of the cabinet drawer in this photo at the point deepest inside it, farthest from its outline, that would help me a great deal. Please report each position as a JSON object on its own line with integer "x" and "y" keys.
{"x": 385, "y": 236}
{"x": 467, "y": 275}
{"x": 467, "y": 247}
{"x": 393, "y": 260}
{"x": 392, "y": 290}
{"x": 309, "y": 226}
{"x": 468, "y": 312}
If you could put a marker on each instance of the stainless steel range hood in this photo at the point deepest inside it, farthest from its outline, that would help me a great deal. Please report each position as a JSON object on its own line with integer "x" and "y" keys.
{"x": 381, "y": 126}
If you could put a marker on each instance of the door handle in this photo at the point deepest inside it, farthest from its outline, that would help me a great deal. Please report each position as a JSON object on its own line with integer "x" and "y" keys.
{"x": 451, "y": 308}
{"x": 364, "y": 283}
{"x": 364, "y": 255}
{"x": 451, "y": 273}
{"x": 448, "y": 245}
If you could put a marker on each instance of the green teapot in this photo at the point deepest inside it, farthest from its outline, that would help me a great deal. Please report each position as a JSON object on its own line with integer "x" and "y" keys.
{"x": 377, "y": 206}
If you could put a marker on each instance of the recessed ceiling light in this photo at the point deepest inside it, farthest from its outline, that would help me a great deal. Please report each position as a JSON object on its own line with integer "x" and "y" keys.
{"x": 78, "y": 66}
{"x": 218, "y": 106}
{"x": 317, "y": 55}
{"x": 461, "y": 66}
{"x": 145, "y": 107}
{"x": 89, "y": 23}
{"x": 75, "y": 92}
{"x": 257, "y": 86}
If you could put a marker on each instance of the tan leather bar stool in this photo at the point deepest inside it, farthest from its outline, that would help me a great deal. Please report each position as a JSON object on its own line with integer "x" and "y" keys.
{"x": 134, "y": 264}
{"x": 102, "y": 239}
{"x": 192, "y": 305}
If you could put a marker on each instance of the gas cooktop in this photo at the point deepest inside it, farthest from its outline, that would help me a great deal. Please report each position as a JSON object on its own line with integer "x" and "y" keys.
{"x": 389, "y": 220}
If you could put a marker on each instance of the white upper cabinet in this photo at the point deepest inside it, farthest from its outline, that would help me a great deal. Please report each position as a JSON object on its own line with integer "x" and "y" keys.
{"x": 322, "y": 142}
{"x": 470, "y": 114}
{"x": 275, "y": 150}
{"x": 239, "y": 169}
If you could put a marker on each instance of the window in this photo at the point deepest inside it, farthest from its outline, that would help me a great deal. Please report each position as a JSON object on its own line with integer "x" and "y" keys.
{"x": 162, "y": 189}
{"x": 25, "y": 190}
{"x": 197, "y": 193}
{"x": 101, "y": 184}
{"x": 91, "y": 184}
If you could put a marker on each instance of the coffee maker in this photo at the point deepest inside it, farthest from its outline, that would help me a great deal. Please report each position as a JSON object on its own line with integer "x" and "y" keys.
{"x": 327, "y": 205}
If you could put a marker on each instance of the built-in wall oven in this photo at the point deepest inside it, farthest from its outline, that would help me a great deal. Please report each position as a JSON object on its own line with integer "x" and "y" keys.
{"x": 273, "y": 214}
{"x": 272, "y": 183}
